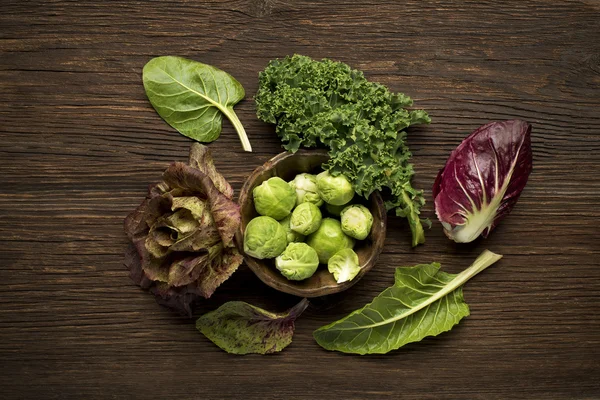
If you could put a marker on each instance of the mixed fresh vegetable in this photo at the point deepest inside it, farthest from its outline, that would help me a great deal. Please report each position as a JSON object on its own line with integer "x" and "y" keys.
{"x": 291, "y": 227}
{"x": 182, "y": 235}
{"x": 363, "y": 124}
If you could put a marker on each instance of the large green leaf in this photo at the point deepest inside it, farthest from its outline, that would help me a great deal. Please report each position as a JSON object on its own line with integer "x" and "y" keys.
{"x": 424, "y": 301}
{"x": 193, "y": 97}
{"x": 241, "y": 328}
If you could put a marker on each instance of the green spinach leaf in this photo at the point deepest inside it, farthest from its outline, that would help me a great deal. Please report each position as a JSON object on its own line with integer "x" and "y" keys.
{"x": 241, "y": 328}
{"x": 422, "y": 302}
{"x": 193, "y": 97}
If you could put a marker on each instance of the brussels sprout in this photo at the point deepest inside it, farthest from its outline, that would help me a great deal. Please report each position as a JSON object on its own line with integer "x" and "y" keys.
{"x": 334, "y": 210}
{"x": 305, "y": 186}
{"x": 344, "y": 265}
{"x": 335, "y": 190}
{"x": 264, "y": 238}
{"x": 356, "y": 221}
{"x": 274, "y": 198}
{"x": 291, "y": 235}
{"x": 306, "y": 219}
{"x": 329, "y": 239}
{"x": 298, "y": 261}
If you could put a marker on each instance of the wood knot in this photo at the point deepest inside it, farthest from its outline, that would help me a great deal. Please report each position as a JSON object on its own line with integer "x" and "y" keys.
{"x": 261, "y": 8}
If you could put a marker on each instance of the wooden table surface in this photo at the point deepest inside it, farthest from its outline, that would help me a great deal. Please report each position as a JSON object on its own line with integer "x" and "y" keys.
{"x": 79, "y": 143}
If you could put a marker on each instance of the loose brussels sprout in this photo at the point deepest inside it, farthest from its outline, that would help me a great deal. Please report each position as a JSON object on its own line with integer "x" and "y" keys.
{"x": 264, "y": 238}
{"x": 291, "y": 235}
{"x": 329, "y": 239}
{"x": 336, "y": 190}
{"x": 334, "y": 210}
{"x": 274, "y": 198}
{"x": 305, "y": 186}
{"x": 356, "y": 221}
{"x": 299, "y": 261}
{"x": 306, "y": 219}
{"x": 344, "y": 265}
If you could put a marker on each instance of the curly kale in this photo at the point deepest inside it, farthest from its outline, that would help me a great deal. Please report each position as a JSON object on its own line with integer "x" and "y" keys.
{"x": 326, "y": 103}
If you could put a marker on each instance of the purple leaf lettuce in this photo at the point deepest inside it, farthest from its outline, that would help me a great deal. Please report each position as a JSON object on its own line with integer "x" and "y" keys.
{"x": 241, "y": 328}
{"x": 182, "y": 233}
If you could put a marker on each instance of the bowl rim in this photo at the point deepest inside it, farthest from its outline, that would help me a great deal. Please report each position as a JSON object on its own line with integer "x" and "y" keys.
{"x": 257, "y": 267}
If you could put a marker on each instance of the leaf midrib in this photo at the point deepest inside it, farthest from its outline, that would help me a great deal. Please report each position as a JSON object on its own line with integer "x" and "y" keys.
{"x": 205, "y": 97}
{"x": 486, "y": 259}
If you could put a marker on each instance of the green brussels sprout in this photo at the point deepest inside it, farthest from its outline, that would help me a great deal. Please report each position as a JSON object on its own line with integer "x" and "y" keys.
{"x": 329, "y": 239}
{"x": 291, "y": 235}
{"x": 306, "y": 219}
{"x": 335, "y": 190}
{"x": 264, "y": 238}
{"x": 274, "y": 198}
{"x": 305, "y": 186}
{"x": 356, "y": 221}
{"x": 344, "y": 265}
{"x": 334, "y": 210}
{"x": 298, "y": 261}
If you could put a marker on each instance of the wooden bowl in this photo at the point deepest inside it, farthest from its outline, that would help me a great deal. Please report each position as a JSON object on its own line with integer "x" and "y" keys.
{"x": 287, "y": 166}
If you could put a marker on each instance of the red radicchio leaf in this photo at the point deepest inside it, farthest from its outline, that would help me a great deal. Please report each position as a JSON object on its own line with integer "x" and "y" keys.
{"x": 483, "y": 179}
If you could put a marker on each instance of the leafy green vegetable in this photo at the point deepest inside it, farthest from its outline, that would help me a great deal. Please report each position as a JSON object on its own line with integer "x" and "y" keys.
{"x": 357, "y": 221}
{"x": 335, "y": 211}
{"x": 327, "y": 103}
{"x": 306, "y": 189}
{"x": 329, "y": 239}
{"x": 182, "y": 234}
{"x": 336, "y": 190}
{"x": 298, "y": 261}
{"x": 422, "y": 302}
{"x": 241, "y": 328}
{"x": 193, "y": 97}
{"x": 344, "y": 265}
{"x": 291, "y": 235}
{"x": 306, "y": 218}
{"x": 274, "y": 198}
{"x": 264, "y": 238}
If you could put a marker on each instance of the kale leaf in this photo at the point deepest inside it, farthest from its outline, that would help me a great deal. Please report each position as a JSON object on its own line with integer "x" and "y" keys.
{"x": 326, "y": 103}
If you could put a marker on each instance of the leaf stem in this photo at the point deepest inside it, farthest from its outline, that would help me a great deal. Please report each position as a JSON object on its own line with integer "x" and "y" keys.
{"x": 237, "y": 124}
{"x": 484, "y": 260}
{"x": 416, "y": 228}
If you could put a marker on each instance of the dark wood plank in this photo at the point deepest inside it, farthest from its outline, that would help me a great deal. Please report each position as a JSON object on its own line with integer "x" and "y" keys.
{"x": 79, "y": 143}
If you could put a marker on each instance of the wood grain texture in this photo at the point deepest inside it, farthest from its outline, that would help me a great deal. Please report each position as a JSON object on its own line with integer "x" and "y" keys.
{"x": 79, "y": 143}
